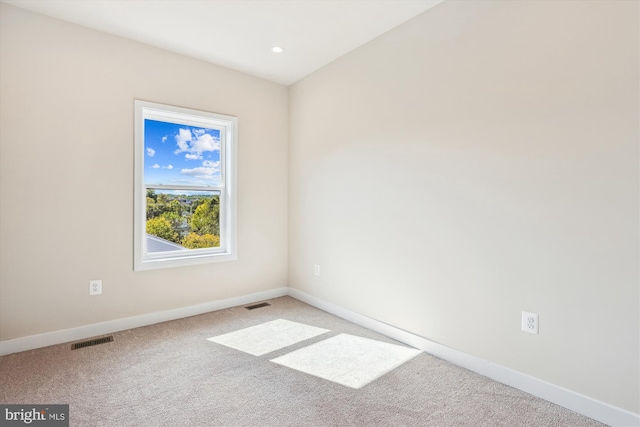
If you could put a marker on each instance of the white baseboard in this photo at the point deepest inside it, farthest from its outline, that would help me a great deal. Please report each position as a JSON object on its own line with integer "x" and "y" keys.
{"x": 576, "y": 402}
{"x": 74, "y": 334}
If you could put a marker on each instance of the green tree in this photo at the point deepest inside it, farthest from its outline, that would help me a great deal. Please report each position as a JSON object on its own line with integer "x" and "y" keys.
{"x": 161, "y": 227}
{"x": 205, "y": 219}
{"x": 196, "y": 241}
{"x": 175, "y": 220}
{"x": 174, "y": 206}
{"x": 197, "y": 202}
{"x": 160, "y": 204}
{"x": 153, "y": 209}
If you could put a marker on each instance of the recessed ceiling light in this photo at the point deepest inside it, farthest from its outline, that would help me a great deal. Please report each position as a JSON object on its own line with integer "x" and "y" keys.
{"x": 276, "y": 49}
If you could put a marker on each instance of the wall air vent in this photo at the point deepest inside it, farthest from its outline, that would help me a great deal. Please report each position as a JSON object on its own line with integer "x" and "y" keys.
{"x": 260, "y": 305}
{"x": 92, "y": 342}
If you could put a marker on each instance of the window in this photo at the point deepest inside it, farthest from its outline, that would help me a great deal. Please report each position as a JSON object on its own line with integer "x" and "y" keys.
{"x": 185, "y": 197}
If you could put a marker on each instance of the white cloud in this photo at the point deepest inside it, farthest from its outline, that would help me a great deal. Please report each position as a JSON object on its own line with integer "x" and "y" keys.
{"x": 196, "y": 143}
{"x": 169, "y": 167}
{"x": 210, "y": 164}
{"x": 151, "y": 152}
{"x": 164, "y": 138}
{"x": 156, "y": 166}
{"x": 202, "y": 173}
{"x": 209, "y": 170}
{"x": 205, "y": 143}
{"x": 183, "y": 138}
{"x": 197, "y": 171}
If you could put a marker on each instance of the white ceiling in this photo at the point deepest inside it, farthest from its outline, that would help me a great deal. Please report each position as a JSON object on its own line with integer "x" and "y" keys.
{"x": 239, "y": 34}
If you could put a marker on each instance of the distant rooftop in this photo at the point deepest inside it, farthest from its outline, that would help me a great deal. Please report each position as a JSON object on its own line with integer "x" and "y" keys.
{"x": 157, "y": 244}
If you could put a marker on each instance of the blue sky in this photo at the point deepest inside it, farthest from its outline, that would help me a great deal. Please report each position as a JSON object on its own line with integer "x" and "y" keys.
{"x": 181, "y": 155}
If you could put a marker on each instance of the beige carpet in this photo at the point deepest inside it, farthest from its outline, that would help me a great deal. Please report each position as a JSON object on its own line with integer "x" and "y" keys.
{"x": 170, "y": 375}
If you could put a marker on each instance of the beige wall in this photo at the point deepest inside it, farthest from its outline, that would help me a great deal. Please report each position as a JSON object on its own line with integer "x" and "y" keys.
{"x": 67, "y": 176}
{"x": 478, "y": 161}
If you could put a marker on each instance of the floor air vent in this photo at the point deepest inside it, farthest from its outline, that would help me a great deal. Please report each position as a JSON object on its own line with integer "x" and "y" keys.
{"x": 254, "y": 306}
{"x": 92, "y": 342}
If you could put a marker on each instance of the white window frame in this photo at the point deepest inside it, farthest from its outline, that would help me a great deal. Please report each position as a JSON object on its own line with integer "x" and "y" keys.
{"x": 227, "y": 125}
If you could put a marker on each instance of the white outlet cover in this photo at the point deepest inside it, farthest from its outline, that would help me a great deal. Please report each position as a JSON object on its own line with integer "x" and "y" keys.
{"x": 95, "y": 287}
{"x": 530, "y": 322}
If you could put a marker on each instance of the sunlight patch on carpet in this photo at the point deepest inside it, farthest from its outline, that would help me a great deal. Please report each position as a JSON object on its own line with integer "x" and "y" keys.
{"x": 348, "y": 360}
{"x": 267, "y": 337}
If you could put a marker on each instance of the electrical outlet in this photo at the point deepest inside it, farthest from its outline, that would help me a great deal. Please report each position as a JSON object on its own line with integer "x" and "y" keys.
{"x": 316, "y": 270}
{"x": 95, "y": 287}
{"x": 530, "y": 322}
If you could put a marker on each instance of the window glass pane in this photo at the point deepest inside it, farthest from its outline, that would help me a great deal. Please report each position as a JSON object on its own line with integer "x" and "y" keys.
{"x": 180, "y": 220}
{"x": 178, "y": 154}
